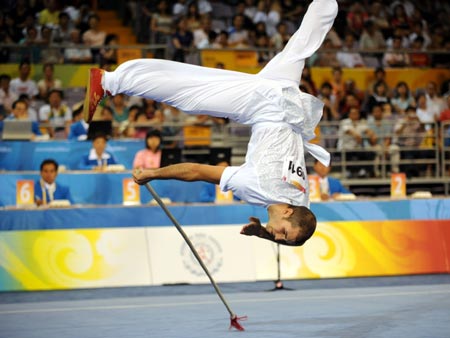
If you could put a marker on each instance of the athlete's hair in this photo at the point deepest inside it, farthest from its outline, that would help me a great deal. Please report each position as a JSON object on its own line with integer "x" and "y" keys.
{"x": 303, "y": 218}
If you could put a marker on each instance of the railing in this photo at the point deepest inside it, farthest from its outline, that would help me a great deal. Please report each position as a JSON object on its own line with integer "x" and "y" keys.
{"x": 428, "y": 157}
{"x": 54, "y": 53}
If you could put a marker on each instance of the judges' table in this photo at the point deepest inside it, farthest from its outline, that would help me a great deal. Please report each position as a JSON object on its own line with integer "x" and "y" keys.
{"x": 118, "y": 246}
{"x": 88, "y": 187}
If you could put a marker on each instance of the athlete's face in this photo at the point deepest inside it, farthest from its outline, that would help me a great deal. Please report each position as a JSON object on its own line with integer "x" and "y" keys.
{"x": 279, "y": 226}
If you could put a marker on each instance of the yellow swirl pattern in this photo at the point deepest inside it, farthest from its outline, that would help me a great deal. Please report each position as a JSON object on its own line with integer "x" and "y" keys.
{"x": 329, "y": 252}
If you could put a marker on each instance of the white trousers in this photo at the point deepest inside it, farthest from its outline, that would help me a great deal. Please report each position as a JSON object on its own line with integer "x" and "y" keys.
{"x": 218, "y": 92}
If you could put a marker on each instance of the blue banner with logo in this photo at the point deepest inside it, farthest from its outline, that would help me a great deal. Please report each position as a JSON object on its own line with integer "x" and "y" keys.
{"x": 23, "y": 155}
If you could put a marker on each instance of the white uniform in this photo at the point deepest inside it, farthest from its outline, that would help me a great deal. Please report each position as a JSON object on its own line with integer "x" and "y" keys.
{"x": 283, "y": 119}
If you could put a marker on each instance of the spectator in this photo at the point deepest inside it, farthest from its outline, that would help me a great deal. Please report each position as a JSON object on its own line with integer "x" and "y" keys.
{"x": 46, "y": 189}
{"x": 349, "y": 57}
{"x": 118, "y": 105}
{"x": 417, "y": 30}
{"x": 192, "y": 17}
{"x": 281, "y": 37}
{"x": 141, "y": 127}
{"x": 434, "y": 100}
{"x": 182, "y": 40}
{"x": 419, "y": 58}
{"x": 371, "y": 40}
{"x": 337, "y": 83}
{"x": 49, "y": 53}
{"x": 265, "y": 55}
{"x": 292, "y": 9}
{"x": 401, "y": 32}
{"x": 48, "y": 82}
{"x": 238, "y": 35}
{"x": 383, "y": 131}
{"x": 325, "y": 56}
{"x": 107, "y": 54}
{"x": 379, "y": 76}
{"x": 20, "y": 112}
{"x": 409, "y": 133}
{"x": 307, "y": 81}
{"x": 426, "y": 113}
{"x": 248, "y": 12}
{"x": 150, "y": 157}
{"x": 61, "y": 33}
{"x": 221, "y": 41}
{"x": 78, "y": 128}
{"x": 356, "y": 17}
{"x": 380, "y": 96}
{"x": 202, "y": 34}
{"x": 57, "y": 113}
{"x": 49, "y": 16}
{"x": 379, "y": 16}
{"x": 30, "y": 22}
{"x": 334, "y": 37}
{"x": 204, "y": 7}
{"x": 399, "y": 16}
{"x": 6, "y": 96}
{"x": 11, "y": 33}
{"x": 348, "y": 102}
{"x": 75, "y": 54}
{"x": 350, "y": 87}
{"x": 23, "y": 84}
{"x": 261, "y": 12}
{"x": 445, "y": 114}
{"x": 396, "y": 57}
{"x": 273, "y": 18}
{"x": 20, "y": 12}
{"x": 152, "y": 111}
{"x": 353, "y": 136}
{"x": 161, "y": 24}
{"x": 328, "y": 126}
{"x": 407, "y": 9}
{"x": 94, "y": 37}
{"x": 32, "y": 113}
{"x": 330, "y": 187}
{"x": 403, "y": 98}
{"x": 179, "y": 9}
{"x": 329, "y": 99}
{"x": 98, "y": 158}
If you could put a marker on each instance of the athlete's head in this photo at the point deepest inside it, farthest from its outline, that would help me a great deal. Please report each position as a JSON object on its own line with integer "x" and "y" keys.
{"x": 290, "y": 225}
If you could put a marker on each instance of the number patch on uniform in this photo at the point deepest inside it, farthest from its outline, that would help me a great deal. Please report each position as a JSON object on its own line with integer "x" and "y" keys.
{"x": 294, "y": 173}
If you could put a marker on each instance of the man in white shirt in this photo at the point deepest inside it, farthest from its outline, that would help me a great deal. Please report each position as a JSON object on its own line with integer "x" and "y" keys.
{"x": 283, "y": 120}
{"x": 349, "y": 57}
{"x": 23, "y": 84}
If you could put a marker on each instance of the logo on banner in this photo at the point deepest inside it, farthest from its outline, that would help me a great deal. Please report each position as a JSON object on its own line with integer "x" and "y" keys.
{"x": 209, "y": 250}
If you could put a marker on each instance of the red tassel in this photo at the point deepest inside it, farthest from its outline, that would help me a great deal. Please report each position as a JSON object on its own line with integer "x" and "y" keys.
{"x": 235, "y": 322}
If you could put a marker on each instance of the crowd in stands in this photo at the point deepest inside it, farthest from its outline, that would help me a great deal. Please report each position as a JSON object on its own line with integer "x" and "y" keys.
{"x": 378, "y": 34}
{"x": 366, "y": 33}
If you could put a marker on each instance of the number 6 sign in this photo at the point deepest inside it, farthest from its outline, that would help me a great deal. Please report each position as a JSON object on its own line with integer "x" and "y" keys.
{"x": 24, "y": 192}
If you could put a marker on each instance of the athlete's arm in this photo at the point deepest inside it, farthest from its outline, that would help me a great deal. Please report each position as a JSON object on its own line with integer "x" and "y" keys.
{"x": 182, "y": 171}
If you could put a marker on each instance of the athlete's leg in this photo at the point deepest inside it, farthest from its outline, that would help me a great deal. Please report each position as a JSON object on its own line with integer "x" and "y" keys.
{"x": 193, "y": 89}
{"x": 287, "y": 66}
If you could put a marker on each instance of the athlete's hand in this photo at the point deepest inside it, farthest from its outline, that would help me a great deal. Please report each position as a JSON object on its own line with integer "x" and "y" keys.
{"x": 253, "y": 228}
{"x": 141, "y": 177}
